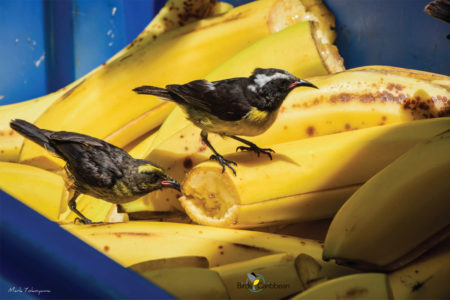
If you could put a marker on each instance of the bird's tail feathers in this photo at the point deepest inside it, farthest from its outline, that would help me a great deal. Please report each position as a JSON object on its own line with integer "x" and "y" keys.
{"x": 30, "y": 131}
{"x": 153, "y": 90}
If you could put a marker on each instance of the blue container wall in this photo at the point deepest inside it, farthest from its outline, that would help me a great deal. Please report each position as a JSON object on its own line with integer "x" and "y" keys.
{"x": 46, "y": 44}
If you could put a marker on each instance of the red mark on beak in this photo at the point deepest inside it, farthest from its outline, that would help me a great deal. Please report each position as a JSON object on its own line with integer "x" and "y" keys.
{"x": 293, "y": 85}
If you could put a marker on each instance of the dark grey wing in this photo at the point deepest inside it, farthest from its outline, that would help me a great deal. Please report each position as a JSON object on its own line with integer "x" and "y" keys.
{"x": 226, "y": 99}
{"x": 90, "y": 160}
{"x": 66, "y": 136}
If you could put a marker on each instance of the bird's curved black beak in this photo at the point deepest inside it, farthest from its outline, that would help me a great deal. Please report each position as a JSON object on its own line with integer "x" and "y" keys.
{"x": 171, "y": 183}
{"x": 302, "y": 82}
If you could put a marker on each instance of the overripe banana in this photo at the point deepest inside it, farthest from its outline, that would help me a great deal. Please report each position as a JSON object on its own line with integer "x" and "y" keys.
{"x": 307, "y": 179}
{"x": 399, "y": 213}
{"x": 200, "y": 46}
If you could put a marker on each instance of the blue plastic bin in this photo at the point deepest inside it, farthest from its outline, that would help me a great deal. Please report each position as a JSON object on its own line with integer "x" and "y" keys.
{"x": 46, "y": 44}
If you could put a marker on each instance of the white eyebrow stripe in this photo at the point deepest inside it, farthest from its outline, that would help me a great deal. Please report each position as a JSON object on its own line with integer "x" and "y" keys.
{"x": 262, "y": 79}
{"x": 210, "y": 86}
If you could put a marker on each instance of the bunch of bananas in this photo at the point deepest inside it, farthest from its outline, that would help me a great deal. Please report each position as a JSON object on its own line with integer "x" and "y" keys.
{"x": 353, "y": 204}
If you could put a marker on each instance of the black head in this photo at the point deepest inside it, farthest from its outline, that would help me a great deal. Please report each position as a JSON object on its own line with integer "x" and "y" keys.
{"x": 153, "y": 177}
{"x": 274, "y": 84}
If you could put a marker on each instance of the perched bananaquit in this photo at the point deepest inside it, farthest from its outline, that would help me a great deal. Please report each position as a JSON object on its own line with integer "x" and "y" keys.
{"x": 98, "y": 168}
{"x": 237, "y": 106}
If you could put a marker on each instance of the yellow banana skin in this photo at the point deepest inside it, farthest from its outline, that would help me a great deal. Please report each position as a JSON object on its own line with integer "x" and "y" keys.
{"x": 200, "y": 46}
{"x": 189, "y": 283}
{"x": 307, "y": 179}
{"x": 424, "y": 278}
{"x": 41, "y": 190}
{"x": 155, "y": 240}
{"x": 414, "y": 210}
{"x": 171, "y": 262}
{"x": 363, "y": 286}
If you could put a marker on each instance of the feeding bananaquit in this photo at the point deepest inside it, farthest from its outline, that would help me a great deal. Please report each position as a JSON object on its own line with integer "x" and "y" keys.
{"x": 237, "y": 106}
{"x": 98, "y": 168}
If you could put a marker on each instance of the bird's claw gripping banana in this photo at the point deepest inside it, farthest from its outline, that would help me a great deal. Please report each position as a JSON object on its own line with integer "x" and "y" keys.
{"x": 253, "y": 148}
{"x": 224, "y": 162}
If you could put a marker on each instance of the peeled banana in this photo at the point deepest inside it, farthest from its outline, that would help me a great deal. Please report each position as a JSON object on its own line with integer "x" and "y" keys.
{"x": 399, "y": 213}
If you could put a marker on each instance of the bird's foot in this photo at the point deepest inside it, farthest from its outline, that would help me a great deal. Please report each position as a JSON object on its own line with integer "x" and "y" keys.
{"x": 257, "y": 150}
{"x": 224, "y": 162}
{"x": 85, "y": 221}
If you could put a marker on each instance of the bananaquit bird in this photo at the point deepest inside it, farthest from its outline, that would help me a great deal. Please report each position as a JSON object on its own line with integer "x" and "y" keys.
{"x": 231, "y": 107}
{"x": 98, "y": 168}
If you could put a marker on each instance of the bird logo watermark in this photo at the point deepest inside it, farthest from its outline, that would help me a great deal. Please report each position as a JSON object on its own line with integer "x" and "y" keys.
{"x": 256, "y": 283}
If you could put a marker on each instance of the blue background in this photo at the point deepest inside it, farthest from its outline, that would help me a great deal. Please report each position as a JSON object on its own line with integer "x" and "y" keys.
{"x": 45, "y": 45}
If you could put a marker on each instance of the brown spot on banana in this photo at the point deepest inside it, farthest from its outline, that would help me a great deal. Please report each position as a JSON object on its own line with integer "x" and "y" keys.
{"x": 310, "y": 130}
{"x": 187, "y": 163}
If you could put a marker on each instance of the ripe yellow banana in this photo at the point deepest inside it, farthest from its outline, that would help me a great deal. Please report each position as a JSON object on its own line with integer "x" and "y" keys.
{"x": 425, "y": 278}
{"x": 365, "y": 286}
{"x": 200, "y": 46}
{"x": 41, "y": 190}
{"x": 399, "y": 213}
{"x": 189, "y": 283}
{"x": 155, "y": 240}
{"x": 307, "y": 179}
{"x": 345, "y": 101}
{"x": 97, "y": 210}
{"x": 278, "y": 274}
